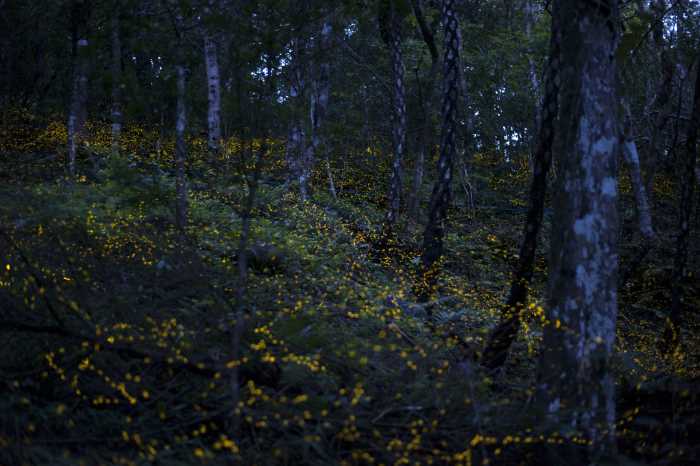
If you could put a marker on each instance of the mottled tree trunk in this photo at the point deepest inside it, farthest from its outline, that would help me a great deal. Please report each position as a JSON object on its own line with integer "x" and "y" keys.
{"x": 77, "y": 112}
{"x": 211, "y": 63}
{"x": 180, "y": 152}
{"x": 440, "y": 198}
{"x": 506, "y": 331}
{"x": 685, "y": 212}
{"x": 575, "y": 387}
{"x": 116, "y": 69}
{"x": 425, "y": 135}
{"x": 393, "y": 40}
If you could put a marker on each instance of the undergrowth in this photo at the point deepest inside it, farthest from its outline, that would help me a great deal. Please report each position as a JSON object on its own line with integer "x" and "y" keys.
{"x": 115, "y": 332}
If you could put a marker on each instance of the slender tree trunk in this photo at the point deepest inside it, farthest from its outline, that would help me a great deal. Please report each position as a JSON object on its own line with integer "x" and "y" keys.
{"x": 575, "y": 387}
{"x": 211, "y": 63}
{"x": 116, "y": 80}
{"x": 629, "y": 150}
{"x": 685, "y": 211}
{"x": 320, "y": 93}
{"x": 440, "y": 198}
{"x": 399, "y": 118}
{"x": 529, "y": 13}
{"x": 180, "y": 152}
{"x": 506, "y": 331}
{"x": 77, "y": 112}
{"x": 296, "y": 135}
{"x": 425, "y": 136}
{"x": 660, "y": 107}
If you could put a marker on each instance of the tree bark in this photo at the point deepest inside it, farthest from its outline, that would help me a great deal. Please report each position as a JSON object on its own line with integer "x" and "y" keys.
{"x": 425, "y": 135}
{"x": 77, "y": 112}
{"x": 575, "y": 386}
{"x": 116, "y": 69}
{"x": 660, "y": 107}
{"x": 440, "y": 198}
{"x": 529, "y": 13}
{"x": 505, "y": 333}
{"x": 211, "y": 63}
{"x": 392, "y": 37}
{"x": 631, "y": 156}
{"x": 685, "y": 212}
{"x": 320, "y": 94}
{"x": 180, "y": 152}
{"x": 296, "y": 135}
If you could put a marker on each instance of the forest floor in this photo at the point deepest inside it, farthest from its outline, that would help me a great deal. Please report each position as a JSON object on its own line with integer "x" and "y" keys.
{"x": 117, "y": 340}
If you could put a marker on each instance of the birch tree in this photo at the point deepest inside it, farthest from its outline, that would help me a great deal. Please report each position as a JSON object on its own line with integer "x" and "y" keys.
{"x": 211, "y": 65}
{"x": 575, "y": 386}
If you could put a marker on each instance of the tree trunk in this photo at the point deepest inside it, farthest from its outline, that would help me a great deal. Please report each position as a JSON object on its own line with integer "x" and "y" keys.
{"x": 211, "y": 63}
{"x": 440, "y": 198}
{"x": 529, "y": 13}
{"x": 629, "y": 150}
{"x": 320, "y": 93}
{"x": 180, "y": 153}
{"x": 425, "y": 135}
{"x": 660, "y": 107}
{"x": 685, "y": 211}
{"x": 506, "y": 331}
{"x": 575, "y": 387}
{"x": 77, "y": 112}
{"x": 296, "y": 136}
{"x": 116, "y": 80}
{"x": 399, "y": 117}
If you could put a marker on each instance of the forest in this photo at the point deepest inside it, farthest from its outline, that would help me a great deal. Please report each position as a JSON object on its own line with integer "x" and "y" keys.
{"x": 352, "y": 232}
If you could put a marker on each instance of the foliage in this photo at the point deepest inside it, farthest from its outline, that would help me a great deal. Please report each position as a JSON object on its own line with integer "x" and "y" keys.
{"x": 116, "y": 334}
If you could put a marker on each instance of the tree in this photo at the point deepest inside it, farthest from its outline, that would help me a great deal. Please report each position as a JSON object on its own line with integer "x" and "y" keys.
{"x": 390, "y": 17}
{"x": 116, "y": 70}
{"x": 426, "y": 132}
{"x": 440, "y": 198}
{"x": 575, "y": 386}
{"x": 506, "y": 331}
{"x": 211, "y": 65}
{"x": 685, "y": 212}
{"x": 77, "y": 112}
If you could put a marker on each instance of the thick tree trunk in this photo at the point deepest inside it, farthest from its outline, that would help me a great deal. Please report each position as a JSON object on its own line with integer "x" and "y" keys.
{"x": 685, "y": 211}
{"x": 426, "y": 133}
{"x": 575, "y": 386}
{"x": 440, "y": 198}
{"x": 398, "y": 120}
{"x": 116, "y": 70}
{"x": 180, "y": 152}
{"x": 506, "y": 331}
{"x": 77, "y": 112}
{"x": 211, "y": 64}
